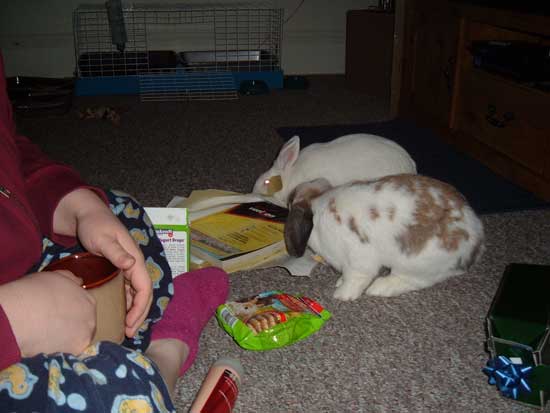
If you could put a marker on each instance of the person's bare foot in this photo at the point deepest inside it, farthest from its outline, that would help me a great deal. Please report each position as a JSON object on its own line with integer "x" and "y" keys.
{"x": 169, "y": 354}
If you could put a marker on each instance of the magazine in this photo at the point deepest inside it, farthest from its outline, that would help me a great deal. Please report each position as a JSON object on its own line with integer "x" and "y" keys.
{"x": 240, "y": 236}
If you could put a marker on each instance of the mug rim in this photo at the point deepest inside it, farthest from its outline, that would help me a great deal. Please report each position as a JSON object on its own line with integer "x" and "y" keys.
{"x": 84, "y": 255}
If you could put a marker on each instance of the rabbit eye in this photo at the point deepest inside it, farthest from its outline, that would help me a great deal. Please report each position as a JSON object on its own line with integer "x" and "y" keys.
{"x": 273, "y": 184}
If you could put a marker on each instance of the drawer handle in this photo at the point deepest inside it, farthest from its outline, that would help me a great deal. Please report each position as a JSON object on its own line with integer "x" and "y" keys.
{"x": 494, "y": 120}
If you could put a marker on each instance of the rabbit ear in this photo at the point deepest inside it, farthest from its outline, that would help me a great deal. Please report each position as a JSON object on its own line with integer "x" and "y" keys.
{"x": 288, "y": 153}
{"x": 299, "y": 223}
{"x": 298, "y": 228}
{"x": 307, "y": 191}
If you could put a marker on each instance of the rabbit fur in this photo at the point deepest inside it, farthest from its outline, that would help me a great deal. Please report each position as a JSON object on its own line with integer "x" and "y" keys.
{"x": 342, "y": 160}
{"x": 387, "y": 236}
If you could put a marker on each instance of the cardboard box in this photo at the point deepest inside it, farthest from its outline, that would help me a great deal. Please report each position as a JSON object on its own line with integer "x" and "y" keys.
{"x": 518, "y": 326}
{"x": 172, "y": 228}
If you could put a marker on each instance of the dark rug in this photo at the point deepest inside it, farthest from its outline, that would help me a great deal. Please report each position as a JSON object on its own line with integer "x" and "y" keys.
{"x": 486, "y": 191}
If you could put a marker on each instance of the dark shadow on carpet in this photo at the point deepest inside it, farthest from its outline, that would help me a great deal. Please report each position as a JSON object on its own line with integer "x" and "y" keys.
{"x": 486, "y": 191}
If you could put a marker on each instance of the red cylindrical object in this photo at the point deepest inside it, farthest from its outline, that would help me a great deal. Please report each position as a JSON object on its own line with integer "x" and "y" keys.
{"x": 220, "y": 388}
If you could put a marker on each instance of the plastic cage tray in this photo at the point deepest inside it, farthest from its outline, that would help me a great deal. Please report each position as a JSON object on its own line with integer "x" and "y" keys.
{"x": 250, "y": 60}
{"x": 40, "y": 95}
{"x": 126, "y": 63}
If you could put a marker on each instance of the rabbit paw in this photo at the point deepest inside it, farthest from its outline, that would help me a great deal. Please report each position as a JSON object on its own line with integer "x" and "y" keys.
{"x": 346, "y": 292}
{"x": 339, "y": 282}
{"x": 389, "y": 286}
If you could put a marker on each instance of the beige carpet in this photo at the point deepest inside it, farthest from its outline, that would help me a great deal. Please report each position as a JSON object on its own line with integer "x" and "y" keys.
{"x": 421, "y": 352}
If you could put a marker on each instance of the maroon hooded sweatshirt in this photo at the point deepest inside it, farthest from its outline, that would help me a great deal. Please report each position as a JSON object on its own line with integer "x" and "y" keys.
{"x": 31, "y": 186}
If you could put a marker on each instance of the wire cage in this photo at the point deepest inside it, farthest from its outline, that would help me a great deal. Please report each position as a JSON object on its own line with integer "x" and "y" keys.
{"x": 176, "y": 51}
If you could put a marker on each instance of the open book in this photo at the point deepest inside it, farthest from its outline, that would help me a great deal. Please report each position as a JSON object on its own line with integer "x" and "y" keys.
{"x": 239, "y": 236}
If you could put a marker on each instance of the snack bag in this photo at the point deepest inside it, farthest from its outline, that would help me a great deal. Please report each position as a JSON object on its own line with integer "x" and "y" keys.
{"x": 271, "y": 319}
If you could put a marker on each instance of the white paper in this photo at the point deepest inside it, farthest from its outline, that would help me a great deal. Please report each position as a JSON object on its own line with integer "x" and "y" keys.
{"x": 297, "y": 266}
{"x": 516, "y": 360}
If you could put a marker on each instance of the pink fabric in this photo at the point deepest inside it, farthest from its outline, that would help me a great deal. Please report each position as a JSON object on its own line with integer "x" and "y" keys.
{"x": 197, "y": 295}
{"x": 31, "y": 186}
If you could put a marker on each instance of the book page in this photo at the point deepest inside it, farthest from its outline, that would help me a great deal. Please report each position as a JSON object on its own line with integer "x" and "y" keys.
{"x": 239, "y": 230}
{"x": 301, "y": 266}
{"x": 201, "y": 195}
{"x": 204, "y": 202}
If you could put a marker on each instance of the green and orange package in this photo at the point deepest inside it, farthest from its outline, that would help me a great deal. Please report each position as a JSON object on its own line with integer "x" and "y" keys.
{"x": 272, "y": 319}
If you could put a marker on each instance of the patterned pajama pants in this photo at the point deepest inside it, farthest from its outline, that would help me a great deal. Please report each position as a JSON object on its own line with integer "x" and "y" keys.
{"x": 107, "y": 377}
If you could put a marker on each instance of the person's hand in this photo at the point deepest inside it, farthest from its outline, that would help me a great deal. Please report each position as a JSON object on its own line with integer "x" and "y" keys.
{"x": 49, "y": 312}
{"x": 83, "y": 214}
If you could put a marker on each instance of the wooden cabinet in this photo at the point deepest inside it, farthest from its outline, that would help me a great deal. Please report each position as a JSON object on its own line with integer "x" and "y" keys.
{"x": 496, "y": 119}
{"x": 508, "y": 118}
{"x": 429, "y": 59}
{"x": 369, "y": 51}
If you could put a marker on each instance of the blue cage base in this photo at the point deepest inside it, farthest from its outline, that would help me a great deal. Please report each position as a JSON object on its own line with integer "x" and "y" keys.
{"x": 130, "y": 84}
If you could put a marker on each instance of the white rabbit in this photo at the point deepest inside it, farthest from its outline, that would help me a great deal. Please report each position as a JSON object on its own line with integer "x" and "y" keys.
{"x": 387, "y": 236}
{"x": 342, "y": 160}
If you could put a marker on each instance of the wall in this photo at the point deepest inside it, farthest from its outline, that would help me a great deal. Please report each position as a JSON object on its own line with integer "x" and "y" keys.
{"x": 36, "y": 35}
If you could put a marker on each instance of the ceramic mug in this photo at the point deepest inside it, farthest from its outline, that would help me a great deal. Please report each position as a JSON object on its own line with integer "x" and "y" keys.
{"x": 105, "y": 283}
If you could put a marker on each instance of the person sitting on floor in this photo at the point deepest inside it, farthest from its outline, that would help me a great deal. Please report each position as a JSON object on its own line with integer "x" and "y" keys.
{"x": 47, "y": 319}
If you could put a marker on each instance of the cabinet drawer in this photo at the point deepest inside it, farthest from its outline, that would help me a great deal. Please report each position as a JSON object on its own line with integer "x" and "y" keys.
{"x": 509, "y": 118}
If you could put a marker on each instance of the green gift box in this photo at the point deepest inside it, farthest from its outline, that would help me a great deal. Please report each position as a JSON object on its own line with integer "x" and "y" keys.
{"x": 518, "y": 326}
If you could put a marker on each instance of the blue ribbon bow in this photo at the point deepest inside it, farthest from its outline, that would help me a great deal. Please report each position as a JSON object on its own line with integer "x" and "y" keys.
{"x": 509, "y": 378}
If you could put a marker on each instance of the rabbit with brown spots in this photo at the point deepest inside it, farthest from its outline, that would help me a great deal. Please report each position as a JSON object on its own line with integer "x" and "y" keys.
{"x": 387, "y": 236}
